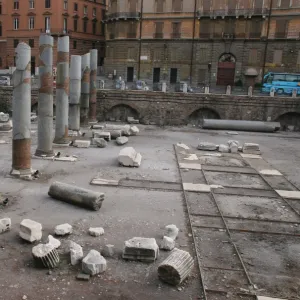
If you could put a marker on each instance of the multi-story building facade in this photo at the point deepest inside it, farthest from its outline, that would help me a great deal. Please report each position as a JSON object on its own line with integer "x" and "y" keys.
{"x": 201, "y": 41}
{"x": 26, "y": 20}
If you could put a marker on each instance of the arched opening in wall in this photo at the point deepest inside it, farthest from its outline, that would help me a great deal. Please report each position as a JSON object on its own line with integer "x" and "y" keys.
{"x": 289, "y": 121}
{"x": 121, "y": 113}
{"x": 226, "y": 69}
{"x": 196, "y": 118}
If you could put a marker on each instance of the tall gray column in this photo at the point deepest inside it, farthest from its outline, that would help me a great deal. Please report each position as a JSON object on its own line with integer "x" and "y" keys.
{"x": 45, "y": 100}
{"x": 93, "y": 87}
{"x": 75, "y": 91}
{"x": 21, "y": 158}
{"x": 85, "y": 89}
{"x": 62, "y": 91}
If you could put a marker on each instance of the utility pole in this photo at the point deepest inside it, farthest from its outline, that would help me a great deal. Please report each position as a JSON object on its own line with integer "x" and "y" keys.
{"x": 140, "y": 40}
{"x": 193, "y": 41}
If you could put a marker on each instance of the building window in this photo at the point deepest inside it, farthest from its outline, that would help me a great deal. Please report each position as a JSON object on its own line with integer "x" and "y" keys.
{"x": 31, "y": 4}
{"x": 177, "y": 5}
{"x": 94, "y": 12}
{"x": 102, "y": 29}
{"x": 31, "y": 23}
{"x": 253, "y": 57}
{"x": 281, "y": 28}
{"x": 74, "y": 44}
{"x": 65, "y": 24}
{"x": 16, "y": 43}
{"x": 285, "y": 3}
{"x": 47, "y": 3}
{"x": 256, "y": 26}
{"x": 85, "y": 10}
{"x": 65, "y": 4}
{"x": 159, "y": 4}
{"x": 16, "y": 23}
{"x": 85, "y": 26}
{"x": 205, "y": 29}
{"x": 0, "y": 61}
{"x": 75, "y": 6}
{"x": 0, "y": 28}
{"x": 131, "y": 33}
{"x": 159, "y": 30}
{"x": 31, "y": 43}
{"x": 75, "y": 25}
{"x": 0, "y": 8}
{"x": 93, "y": 45}
{"x": 16, "y": 4}
{"x": 47, "y": 24}
{"x": 94, "y": 27}
{"x": 176, "y": 26}
{"x": 277, "y": 58}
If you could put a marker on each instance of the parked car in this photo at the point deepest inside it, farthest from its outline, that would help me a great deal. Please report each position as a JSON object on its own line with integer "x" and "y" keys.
{"x": 4, "y": 80}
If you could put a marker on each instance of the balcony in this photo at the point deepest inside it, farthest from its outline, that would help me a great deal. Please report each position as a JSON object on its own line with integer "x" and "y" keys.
{"x": 222, "y": 13}
{"x": 131, "y": 35}
{"x": 111, "y": 36}
{"x": 122, "y": 16}
{"x": 175, "y": 35}
{"x": 158, "y": 35}
{"x": 56, "y": 31}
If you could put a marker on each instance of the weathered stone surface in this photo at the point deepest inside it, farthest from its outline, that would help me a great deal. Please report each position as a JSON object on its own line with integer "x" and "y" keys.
{"x": 76, "y": 253}
{"x": 128, "y": 157}
{"x": 125, "y": 129}
{"x": 55, "y": 242}
{"x": 134, "y": 130}
{"x": 98, "y": 231}
{"x": 102, "y": 134}
{"x": 115, "y": 134}
{"x": 5, "y": 224}
{"x": 142, "y": 249}
{"x": 63, "y": 229}
{"x": 83, "y": 277}
{"x": 190, "y": 166}
{"x": 167, "y": 244}
{"x": 100, "y": 142}
{"x": 46, "y": 255}
{"x": 223, "y": 148}
{"x": 108, "y": 251}
{"x": 233, "y": 146}
{"x": 30, "y": 231}
{"x": 196, "y": 187}
{"x": 94, "y": 263}
{"x": 176, "y": 267}
{"x": 4, "y": 117}
{"x": 233, "y": 142}
{"x": 206, "y": 146}
{"x": 250, "y": 148}
{"x": 6, "y": 126}
{"x": 172, "y": 231}
{"x": 272, "y": 172}
{"x": 82, "y": 143}
{"x": 122, "y": 140}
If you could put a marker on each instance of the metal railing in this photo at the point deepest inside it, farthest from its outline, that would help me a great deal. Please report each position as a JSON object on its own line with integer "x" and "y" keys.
{"x": 158, "y": 35}
{"x": 230, "y": 36}
{"x": 122, "y": 15}
{"x": 131, "y": 35}
{"x": 176, "y": 35}
{"x": 56, "y": 31}
{"x": 247, "y": 12}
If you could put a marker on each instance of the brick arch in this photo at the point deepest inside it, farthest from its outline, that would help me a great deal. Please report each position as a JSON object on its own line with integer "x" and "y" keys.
{"x": 121, "y": 111}
{"x": 196, "y": 116}
{"x": 289, "y": 118}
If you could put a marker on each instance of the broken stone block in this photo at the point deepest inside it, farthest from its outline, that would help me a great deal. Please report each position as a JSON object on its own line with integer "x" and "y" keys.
{"x": 63, "y": 229}
{"x": 45, "y": 255}
{"x": 233, "y": 142}
{"x": 172, "y": 231}
{"x": 250, "y": 148}
{"x": 176, "y": 267}
{"x": 206, "y": 146}
{"x": 122, "y": 140}
{"x": 76, "y": 253}
{"x": 4, "y": 118}
{"x": 108, "y": 251}
{"x": 134, "y": 130}
{"x": 100, "y": 142}
{"x": 167, "y": 243}
{"x": 5, "y": 225}
{"x": 94, "y": 263}
{"x": 132, "y": 120}
{"x": 102, "y": 134}
{"x": 233, "y": 146}
{"x": 142, "y": 249}
{"x": 223, "y": 148}
{"x": 125, "y": 129}
{"x": 96, "y": 231}
{"x": 128, "y": 157}
{"x": 96, "y": 126}
{"x": 115, "y": 134}
{"x": 30, "y": 231}
{"x": 55, "y": 242}
{"x": 81, "y": 144}
{"x": 7, "y": 126}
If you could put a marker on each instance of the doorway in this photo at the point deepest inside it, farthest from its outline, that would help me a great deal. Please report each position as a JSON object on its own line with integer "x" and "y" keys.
{"x": 32, "y": 65}
{"x": 156, "y": 75}
{"x": 173, "y": 75}
{"x": 130, "y": 72}
{"x": 226, "y": 70}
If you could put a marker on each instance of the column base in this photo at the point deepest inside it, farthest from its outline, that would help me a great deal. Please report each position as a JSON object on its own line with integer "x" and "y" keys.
{"x": 23, "y": 174}
{"x": 42, "y": 153}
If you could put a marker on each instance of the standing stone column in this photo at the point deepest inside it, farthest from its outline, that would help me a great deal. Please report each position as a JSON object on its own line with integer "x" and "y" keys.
{"x": 75, "y": 90}
{"x": 45, "y": 99}
{"x": 21, "y": 158}
{"x": 85, "y": 89}
{"x": 62, "y": 91}
{"x": 93, "y": 83}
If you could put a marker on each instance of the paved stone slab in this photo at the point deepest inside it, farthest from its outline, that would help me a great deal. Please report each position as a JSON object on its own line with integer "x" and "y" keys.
{"x": 204, "y": 188}
{"x": 82, "y": 144}
{"x": 5, "y": 225}
{"x": 76, "y": 253}
{"x": 250, "y": 156}
{"x": 268, "y": 298}
{"x": 270, "y": 172}
{"x": 210, "y": 154}
{"x": 190, "y": 166}
{"x": 97, "y": 231}
{"x": 63, "y": 229}
{"x": 30, "y": 231}
{"x": 94, "y": 263}
{"x": 289, "y": 194}
{"x": 184, "y": 146}
{"x": 102, "y": 181}
{"x": 251, "y": 148}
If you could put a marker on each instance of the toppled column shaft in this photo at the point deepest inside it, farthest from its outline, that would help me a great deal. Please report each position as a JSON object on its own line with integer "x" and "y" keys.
{"x": 62, "y": 91}
{"x": 45, "y": 100}
{"x": 85, "y": 89}
{"x": 21, "y": 158}
{"x": 75, "y": 195}
{"x": 93, "y": 84}
{"x": 75, "y": 90}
